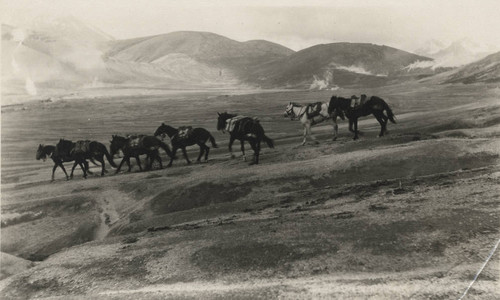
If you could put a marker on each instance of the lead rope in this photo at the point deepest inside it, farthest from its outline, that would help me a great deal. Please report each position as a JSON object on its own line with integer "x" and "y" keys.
{"x": 480, "y": 270}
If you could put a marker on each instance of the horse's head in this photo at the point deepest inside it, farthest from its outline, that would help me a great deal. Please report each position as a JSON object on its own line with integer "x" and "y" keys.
{"x": 165, "y": 130}
{"x": 117, "y": 143}
{"x": 289, "y": 110}
{"x": 221, "y": 120}
{"x": 40, "y": 154}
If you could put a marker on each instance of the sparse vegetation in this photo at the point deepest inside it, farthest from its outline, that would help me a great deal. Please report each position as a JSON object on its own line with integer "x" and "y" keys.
{"x": 413, "y": 213}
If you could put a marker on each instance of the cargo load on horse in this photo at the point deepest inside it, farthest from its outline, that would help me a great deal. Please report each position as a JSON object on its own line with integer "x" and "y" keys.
{"x": 134, "y": 146}
{"x": 313, "y": 109}
{"x": 184, "y": 132}
{"x": 358, "y": 101}
{"x": 244, "y": 129}
{"x": 80, "y": 147}
{"x": 186, "y": 136}
{"x": 340, "y": 106}
{"x": 238, "y": 123}
{"x": 309, "y": 115}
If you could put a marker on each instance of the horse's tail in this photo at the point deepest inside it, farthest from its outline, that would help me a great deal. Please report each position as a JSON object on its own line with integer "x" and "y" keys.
{"x": 212, "y": 140}
{"x": 390, "y": 114}
{"x": 268, "y": 141}
{"x": 166, "y": 148}
{"x": 109, "y": 157}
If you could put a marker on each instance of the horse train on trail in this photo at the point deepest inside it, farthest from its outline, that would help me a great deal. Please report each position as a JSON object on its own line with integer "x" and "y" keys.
{"x": 240, "y": 128}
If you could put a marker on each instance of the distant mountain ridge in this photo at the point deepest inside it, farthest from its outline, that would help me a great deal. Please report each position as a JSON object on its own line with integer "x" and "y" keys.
{"x": 456, "y": 54}
{"x": 66, "y": 53}
{"x": 194, "y": 56}
{"x": 336, "y": 64}
{"x": 485, "y": 70}
{"x": 204, "y": 46}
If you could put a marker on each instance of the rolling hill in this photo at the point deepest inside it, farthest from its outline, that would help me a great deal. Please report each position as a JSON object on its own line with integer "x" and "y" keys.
{"x": 336, "y": 64}
{"x": 68, "y": 54}
{"x": 192, "y": 57}
{"x": 484, "y": 70}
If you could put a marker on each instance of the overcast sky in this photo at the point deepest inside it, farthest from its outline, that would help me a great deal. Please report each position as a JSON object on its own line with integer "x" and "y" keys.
{"x": 296, "y": 24}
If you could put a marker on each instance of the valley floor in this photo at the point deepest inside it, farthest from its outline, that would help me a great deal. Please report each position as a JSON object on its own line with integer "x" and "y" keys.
{"x": 411, "y": 215}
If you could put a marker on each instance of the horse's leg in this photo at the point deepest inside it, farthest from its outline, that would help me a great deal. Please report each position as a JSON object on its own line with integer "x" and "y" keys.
{"x": 309, "y": 132}
{"x": 230, "y": 146}
{"x": 254, "y": 148}
{"x": 257, "y": 153}
{"x": 53, "y": 171}
{"x": 64, "y": 170}
{"x": 305, "y": 136}
{"x": 86, "y": 164}
{"x": 207, "y": 150}
{"x": 138, "y": 160}
{"x": 185, "y": 155}
{"x": 381, "y": 122}
{"x": 243, "y": 150}
{"x": 103, "y": 165}
{"x": 386, "y": 119}
{"x": 128, "y": 163}
{"x": 83, "y": 166}
{"x": 351, "y": 122}
{"x": 355, "y": 121}
{"x": 120, "y": 165}
{"x": 151, "y": 157}
{"x": 158, "y": 157}
{"x": 174, "y": 150}
{"x": 73, "y": 169}
{"x": 202, "y": 150}
{"x": 335, "y": 127}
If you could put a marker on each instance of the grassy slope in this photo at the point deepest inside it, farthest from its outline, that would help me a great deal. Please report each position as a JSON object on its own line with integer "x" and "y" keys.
{"x": 298, "y": 68}
{"x": 484, "y": 70}
{"x": 409, "y": 215}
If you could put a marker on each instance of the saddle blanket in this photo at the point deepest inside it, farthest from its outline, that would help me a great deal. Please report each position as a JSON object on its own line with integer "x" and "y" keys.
{"x": 231, "y": 123}
{"x": 135, "y": 141}
{"x": 356, "y": 102}
{"x": 184, "y": 132}
{"x": 313, "y": 109}
{"x": 81, "y": 147}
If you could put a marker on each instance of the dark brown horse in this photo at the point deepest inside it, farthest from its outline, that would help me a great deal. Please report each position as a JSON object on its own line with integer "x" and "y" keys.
{"x": 134, "y": 146}
{"x": 374, "y": 105}
{"x": 79, "y": 152}
{"x": 45, "y": 151}
{"x": 243, "y": 129}
{"x": 187, "y": 136}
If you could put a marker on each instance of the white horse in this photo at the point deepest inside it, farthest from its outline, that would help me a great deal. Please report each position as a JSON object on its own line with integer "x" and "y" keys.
{"x": 309, "y": 115}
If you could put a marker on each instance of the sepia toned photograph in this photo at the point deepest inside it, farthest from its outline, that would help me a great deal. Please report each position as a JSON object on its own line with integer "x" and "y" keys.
{"x": 250, "y": 149}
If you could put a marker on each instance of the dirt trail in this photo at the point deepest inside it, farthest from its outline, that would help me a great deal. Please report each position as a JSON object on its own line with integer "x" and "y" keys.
{"x": 108, "y": 215}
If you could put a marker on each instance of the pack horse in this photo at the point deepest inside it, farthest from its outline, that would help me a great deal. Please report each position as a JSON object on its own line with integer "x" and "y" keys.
{"x": 374, "y": 105}
{"x": 243, "y": 128}
{"x": 187, "y": 136}
{"x": 309, "y": 115}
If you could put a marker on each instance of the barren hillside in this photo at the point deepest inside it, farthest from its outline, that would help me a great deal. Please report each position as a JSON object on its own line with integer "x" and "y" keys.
{"x": 413, "y": 214}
